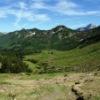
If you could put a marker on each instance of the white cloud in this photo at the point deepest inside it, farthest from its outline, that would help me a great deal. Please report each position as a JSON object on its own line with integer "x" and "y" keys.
{"x": 32, "y": 13}
{"x": 38, "y": 5}
{"x": 41, "y": 17}
{"x": 23, "y": 12}
{"x": 2, "y": 14}
{"x": 70, "y": 8}
{"x": 65, "y": 7}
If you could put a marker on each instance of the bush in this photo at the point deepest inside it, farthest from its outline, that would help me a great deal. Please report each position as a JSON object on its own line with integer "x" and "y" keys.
{"x": 13, "y": 65}
{"x": 33, "y": 61}
{"x": 44, "y": 67}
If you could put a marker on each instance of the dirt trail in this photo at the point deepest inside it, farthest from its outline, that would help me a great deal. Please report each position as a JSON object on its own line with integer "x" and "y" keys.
{"x": 65, "y": 87}
{"x": 78, "y": 92}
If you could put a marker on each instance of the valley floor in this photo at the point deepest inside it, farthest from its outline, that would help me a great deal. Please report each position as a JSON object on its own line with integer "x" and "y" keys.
{"x": 67, "y": 86}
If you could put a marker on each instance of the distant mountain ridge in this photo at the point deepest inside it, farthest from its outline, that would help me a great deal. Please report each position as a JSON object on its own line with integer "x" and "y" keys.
{"x": 86, "y": 28}
{"x": 59, "y": 38}
{"x": 1, "y": 34}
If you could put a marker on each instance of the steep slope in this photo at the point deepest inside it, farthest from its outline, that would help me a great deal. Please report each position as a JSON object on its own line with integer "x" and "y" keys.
{"x": 89, "y": 37}
{"x": 63, "y": 38}
{"x": 78, "y": 59}
{"x": 23, "y": 38}
{"x": 36, "y": 39}
{"x": 59, "y": 38}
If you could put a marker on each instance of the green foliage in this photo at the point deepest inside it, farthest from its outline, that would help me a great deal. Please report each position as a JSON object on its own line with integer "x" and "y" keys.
{"x": 33, "y": 61}
{"x": 77, "y": 60}
{"x": 12, "y": 64}
{"x": 59, "y": 38}
{"x": 73, "y": 50}
{"x": 45, "y": 68}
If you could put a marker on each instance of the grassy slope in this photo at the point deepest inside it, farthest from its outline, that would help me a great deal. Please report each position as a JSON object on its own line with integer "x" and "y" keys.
{"x": 33, "y": 87}
{"x": 87, "y": 56}
{"x": 56, "y": 85}
{"x": 46, "y": 86}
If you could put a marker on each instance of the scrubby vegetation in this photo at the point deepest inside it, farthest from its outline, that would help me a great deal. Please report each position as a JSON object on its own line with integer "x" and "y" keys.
{"x": 78, "y": 60}
{"x": 54, "y": 86}
{"x": 50, "y": 65}
{"x": 12, "y": 63}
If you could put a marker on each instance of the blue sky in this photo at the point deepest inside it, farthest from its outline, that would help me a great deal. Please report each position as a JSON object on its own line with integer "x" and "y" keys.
{"x": 45, "y": 14}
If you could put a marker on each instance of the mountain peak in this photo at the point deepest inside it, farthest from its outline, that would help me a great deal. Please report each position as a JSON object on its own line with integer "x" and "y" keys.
{"x": 91, "y": 26}
{"x": 59, "y": 28}
{"x": 86, "y": 28}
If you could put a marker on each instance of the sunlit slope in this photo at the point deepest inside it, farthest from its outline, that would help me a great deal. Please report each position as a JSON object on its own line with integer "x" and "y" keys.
{"x": 85, "y": 59}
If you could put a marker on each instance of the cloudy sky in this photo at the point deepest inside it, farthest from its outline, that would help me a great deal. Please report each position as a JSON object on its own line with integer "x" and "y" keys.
{"x": 45, "y": 14}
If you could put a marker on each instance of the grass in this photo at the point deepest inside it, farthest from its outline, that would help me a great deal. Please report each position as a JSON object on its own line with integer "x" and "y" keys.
{"x": 53, "y": 86}
{"x": 96, "y": 98}
{"x": 29, "y": 87}
{"x": 87, "y": 56}
{"x": 45, "y": 86}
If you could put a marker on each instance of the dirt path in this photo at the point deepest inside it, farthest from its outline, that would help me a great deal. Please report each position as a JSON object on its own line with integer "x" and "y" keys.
{"x": 78, "y": 92}
{"x": 69, "y": 87}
